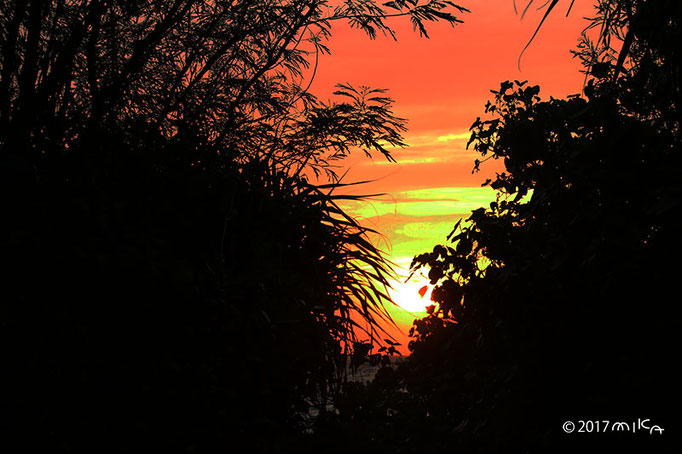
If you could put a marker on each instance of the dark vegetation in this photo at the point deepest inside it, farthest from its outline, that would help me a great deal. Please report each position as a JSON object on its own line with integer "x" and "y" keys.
{"x": 171, "y": 281}
{"x": 557, "y": 301}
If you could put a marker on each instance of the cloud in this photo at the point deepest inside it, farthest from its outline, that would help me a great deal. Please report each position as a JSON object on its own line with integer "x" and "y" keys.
{"x": 423, "y": 202}
{"x": 416, "y": 160}
{"x": 449, "y": 137}
{"x": 414, "y": 221}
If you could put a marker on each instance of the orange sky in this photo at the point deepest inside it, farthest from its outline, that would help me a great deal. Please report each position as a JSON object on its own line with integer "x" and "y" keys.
{"x": 441, "y": 85}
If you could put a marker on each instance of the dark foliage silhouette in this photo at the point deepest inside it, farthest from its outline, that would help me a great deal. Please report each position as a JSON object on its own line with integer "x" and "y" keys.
{"x": 170, "y": 279}
{"x": 234, "y": 74}
{"x": 178, "y": 303}
{"x": 554, "y": 303}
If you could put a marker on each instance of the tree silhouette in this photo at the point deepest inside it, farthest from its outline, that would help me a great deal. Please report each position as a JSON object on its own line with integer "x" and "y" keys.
{"x": 553, "y": 303}
{"x": 233, "y": 74}
{"x": 170, "y": 279}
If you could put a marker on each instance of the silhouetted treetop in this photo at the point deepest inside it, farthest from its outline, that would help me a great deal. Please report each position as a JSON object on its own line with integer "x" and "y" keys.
{"x": 170, "y": 278}
{"x": 232, "y": 75}
{"x": 554, "y": 299}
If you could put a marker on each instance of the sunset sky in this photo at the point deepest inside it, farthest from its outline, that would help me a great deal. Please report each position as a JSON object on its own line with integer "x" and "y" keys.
{"x": 441, "y": 85}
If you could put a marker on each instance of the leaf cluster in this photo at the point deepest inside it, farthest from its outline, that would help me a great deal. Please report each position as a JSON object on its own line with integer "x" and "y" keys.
{"x": 235, "y": 74}
{"x": 554, "y": 299}
{"x": 170, "y": 277}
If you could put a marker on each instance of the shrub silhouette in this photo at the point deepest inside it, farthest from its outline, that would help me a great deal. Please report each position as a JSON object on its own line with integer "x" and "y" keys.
{"x": 170, "y": 279}
{"x": 553, "y": 303}
{"x": 561, "y": 306}
{"x": 153, "y": 302}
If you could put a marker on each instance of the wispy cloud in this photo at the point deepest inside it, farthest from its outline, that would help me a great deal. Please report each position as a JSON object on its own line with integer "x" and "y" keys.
{"x": 450, "y": 137}
{"x": 423, "y": 202}
{"x": 412, "y": 222}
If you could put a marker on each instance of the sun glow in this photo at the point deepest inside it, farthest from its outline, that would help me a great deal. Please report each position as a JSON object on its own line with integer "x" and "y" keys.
{"x": 413, "y": 297}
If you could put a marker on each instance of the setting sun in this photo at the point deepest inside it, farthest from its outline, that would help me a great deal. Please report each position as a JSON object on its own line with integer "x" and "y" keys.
{"x": 413, "y": 297}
